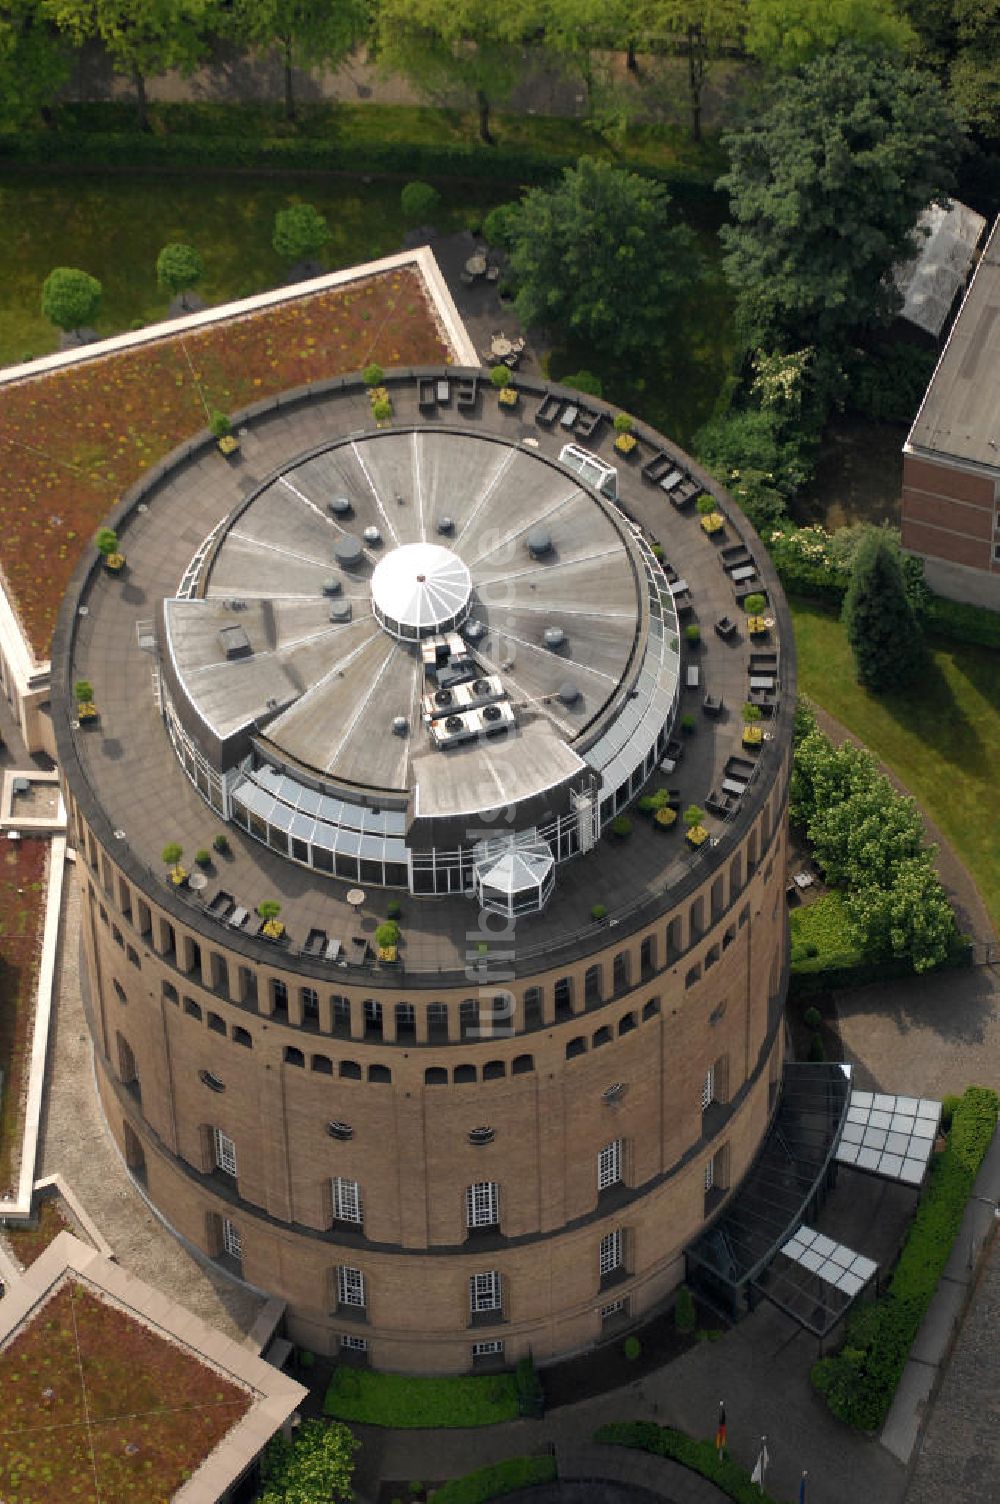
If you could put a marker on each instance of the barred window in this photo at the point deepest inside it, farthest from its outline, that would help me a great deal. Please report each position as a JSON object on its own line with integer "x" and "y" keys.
{"x": 231, "y": 1240}
{"x": 611, "y": 1252}
{"x": 224, "y": 1150}
{"x": 352, "y": 1344}
{"x": 346, "y": 1199}
{"x": 350, "y": 1286}
{"x": 609, "y": 1165}
{"x": 491, "y": 1349}
{"x": 482, "y": 1204}
{"x": 484, "y": 1291}
{"x": 710, "y": 1174}
{"x": 708, "y": 1089}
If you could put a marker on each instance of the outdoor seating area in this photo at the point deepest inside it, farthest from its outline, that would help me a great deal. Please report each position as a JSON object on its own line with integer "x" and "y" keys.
{"x": 479, "y": 268}
{"x": 504, "y": 351}
{"x": 581, "y": 421}
{"x": 433, "y": 393}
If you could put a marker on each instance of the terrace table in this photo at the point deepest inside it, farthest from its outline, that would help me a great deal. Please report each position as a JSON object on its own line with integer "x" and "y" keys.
{"x": 761, "y": 681}
{"x": 501, "y": 346}
{"x": 693, "y": 677}
{"x": 733, "y": 786}
{"x": 680, "y": 587}
{"x": 745, "y": 572}
{"x": 672, "y": 480}
{"x": 476, "y": 264}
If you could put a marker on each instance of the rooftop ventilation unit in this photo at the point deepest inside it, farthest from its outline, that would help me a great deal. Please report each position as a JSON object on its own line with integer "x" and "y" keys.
{"x": 349, "y": 550}
{"x": 468, "y": 696}
{"x": 340, "y": 506}
{"x": 539, "y": 542}
{"x": 446, "y": 525}
{"x": 372, "y": 534}
{"x": 568, "y": 693}
{"x": 235, "y": 643}
{"x": 475, "y": 629}
{"x": 469, "y": 725}
{"x": 341, "y": 612}
{"x": 332, "y": 587}
{"x": 400, "y": 725}
{"x": 553, "y": 637}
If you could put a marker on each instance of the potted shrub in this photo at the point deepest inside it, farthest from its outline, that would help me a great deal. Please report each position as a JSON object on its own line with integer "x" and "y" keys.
{"x": 381, "y": 404}
{"x": 372, "y": 375}
{"x": 272, "y": 928}
{"x": 712, "y": 520}
{"x": 393, "y": 908}
{"x": 692, "y": 633}
{"x": 754, "y": 604}
{"x": 753, "y": 733}
{"x": 86, "y": 710}
{"x": 387, "y": 940}
{"x": 203, "y": 857}
{"x": 508, "y": 398}
{"x": 107, "y": 547}
{"x": 665, "y": 818}
{"x": 221, "y": 844}
{"x": 697, "y": 835}
{"x": 172, "y": 854}
{"x": 621, "y": 826}
{"x": 688, "y": 723}
{"x": 599, "y": 911}
{"x": 625, "y": 439}
{"x": 657, "y": 550}
{"x": 222, "y": 428}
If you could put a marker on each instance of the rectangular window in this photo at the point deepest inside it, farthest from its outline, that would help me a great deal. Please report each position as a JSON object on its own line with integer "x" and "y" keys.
{"x": 484, "y": 1292}
{"x": 350, "y": 1287}
{"x": 482, "y": 1204}
{"x": 710, "y": 1174}
{"x": 708, "y": 1089}
{"x": 609, "y": 1165}
{"x": 224, "y": 1150}
{"x": 493, "y": 1349}
{"x": 353, "y": 1344}
{"x": 614, "y": 1308}
{"x": 231, "y": 1240}
{"x": 611, "y": 1252}
{"x": 346, "y": 1200}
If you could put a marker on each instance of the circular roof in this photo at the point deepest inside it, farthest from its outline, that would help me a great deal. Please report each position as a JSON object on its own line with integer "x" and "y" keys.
{"x": 420, "y": 589}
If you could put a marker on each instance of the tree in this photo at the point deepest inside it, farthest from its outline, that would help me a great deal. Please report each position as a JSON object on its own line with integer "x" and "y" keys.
{"x": 70, "y": 298}
{"x": 418, "y": 202}
{"x": 300, "y": 232}
{"x": 178, "y": 268}
{"x": 597, "y": 257}
{"x": 784, "y": 34}
{"x": 699, "y": 31}
{"x": 140, "y": 39}
{"x": 825, "y": 186}
{"x": 307, "y": 33}
{"x": 317, "y": 1465}
{"x": 881, "y": 626}
{"x": 34, "y": 62}
{"x": 449, "y": 47}
{"x": 911, "y": 918}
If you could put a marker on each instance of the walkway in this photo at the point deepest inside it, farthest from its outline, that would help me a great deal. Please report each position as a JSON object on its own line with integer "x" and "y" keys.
{"x": 75, "y": 1141}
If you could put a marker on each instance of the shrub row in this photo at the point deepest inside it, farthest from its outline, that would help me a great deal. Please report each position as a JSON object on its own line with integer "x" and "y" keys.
{"x": 814, "y": 975}
{"x": 700, "y": 1456}
{"x": 859, "y": 1382}
{"x": 492, "y": 1482}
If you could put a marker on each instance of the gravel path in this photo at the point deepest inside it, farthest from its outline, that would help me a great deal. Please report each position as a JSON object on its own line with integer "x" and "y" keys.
{"x": 75, "y": 1142}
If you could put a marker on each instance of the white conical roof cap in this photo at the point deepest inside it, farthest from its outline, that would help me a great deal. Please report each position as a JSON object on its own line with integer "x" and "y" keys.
{"x": 420, "y": 588}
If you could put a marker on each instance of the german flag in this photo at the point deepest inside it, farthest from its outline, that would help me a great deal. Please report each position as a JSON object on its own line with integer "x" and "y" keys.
{"x": 720, "y": 1434}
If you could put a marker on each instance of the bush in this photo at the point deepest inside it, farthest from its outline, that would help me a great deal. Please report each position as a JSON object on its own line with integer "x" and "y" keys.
{"x": 816, "y": 1051}
{"x": 859, "y": 1382}
{"x": 106, "y": 541}
{"x": 382, "y": 410}
{"x": 598, "y": 911}
{"x": 684, "y": 1312}
{"x": 632, "y": 1347}
{"x": 372, "y": 375}
{"x": 219, "y": 424}
{"x": 492, "y": 1482}
{"x": 700, "y": 1456}
{"x": 306, "y": 1358}
{"x": 178, "y": 267}
{"x": 623, "y": 423}
{"x": 585, "y": 381}
{"x": 949, "y": 1106}
{"x": 693, "y": 816}
{"x": 812, "y": 1018}
{"x": 318, "y": 1464}
{"x": 416, "y": 1488}
{"x": 419, "y": 201}
{"x": 300, "y": 232}
{"x": 754, "y": 604}
{"x": 387, "y": 933}
{"x": 393, "y": 908}
{"x": 688, "y": 722}
{"x": 496, "y": 225}
{"x": 500, "y": 377}
{"x": 70, "y": 297}
{"x": 402, "y": 1401}
{"x": 692, "y": 632}
{"x": 221, "y": 844}
{"x": 83, "y": 690}
{"x": 203, "y": 857}
{"x": 621, "y": 826}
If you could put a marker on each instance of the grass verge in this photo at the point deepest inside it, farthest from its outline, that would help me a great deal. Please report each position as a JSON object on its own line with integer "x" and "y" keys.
{"x": 700, "y": 1456}
{"x": 502, "y": 1478}
{"x": 859, "y": 1382}
{"x": 400, "y": 1400}
{"x": 940, "y": 737}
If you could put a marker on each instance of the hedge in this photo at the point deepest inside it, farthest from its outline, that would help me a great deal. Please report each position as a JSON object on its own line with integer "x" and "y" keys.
{"x": 859, "y": 1382}
{"x": 814, "y": 975}
{"x": 502, "y": 1478}
{"x": 700, "y": 1456}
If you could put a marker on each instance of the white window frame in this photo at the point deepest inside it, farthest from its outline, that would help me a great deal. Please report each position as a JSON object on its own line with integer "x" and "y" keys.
{"x": 224, "y": 1151}
{"x": 611, "y": 1252}
{"x": 353, "y": 1344}
{"x": 351, "y": 1287}
{"x": 482, "y": 1204}
{"x": 485, "y": 1292}
{"x": 347, "y": 1203}
{"x": 609, "y": 1164}
{"x": 708, "y": 1089}
{"x": 232, "y": 1241}
{"x": 614, "y": 1308}
{"x": 710, "y": 1173}
{"x": 491, "y": 1349}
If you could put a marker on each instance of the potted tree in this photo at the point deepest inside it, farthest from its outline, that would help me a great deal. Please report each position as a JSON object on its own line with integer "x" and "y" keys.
{"x": 697, "y": 835}
{"x": 507, "y": 393}
{"x": 272, "y": 928}
{"x": 757, "y": 622}
{"x": 86, "y": 710}
{"x": 753, "y": 733}
{"x": 107, "y": 547}
{"x": 222, "y": 428}
{"x": 625, "y": 439}
{"x": 712, "y": 520}
{"x": 172, "y": 854}
{"x": 387, "y": 940}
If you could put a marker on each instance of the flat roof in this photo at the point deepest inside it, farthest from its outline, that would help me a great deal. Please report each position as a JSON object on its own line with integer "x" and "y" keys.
{"x": 960, "y": 414}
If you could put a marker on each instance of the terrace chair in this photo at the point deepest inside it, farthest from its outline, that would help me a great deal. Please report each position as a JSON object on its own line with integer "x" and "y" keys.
{"x": 656, "y": 467}
{"x": 587, "y": 423}
{"x": 492, "y": 272}
{"x": 549, "y": 411}
{"x": 465, "y": 394}
{"x": 466, "y": 277}
{"x": 426, "y": 396}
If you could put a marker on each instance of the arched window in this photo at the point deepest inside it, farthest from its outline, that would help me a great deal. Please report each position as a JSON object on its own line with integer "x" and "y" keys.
{"x": 577, "y": 1046}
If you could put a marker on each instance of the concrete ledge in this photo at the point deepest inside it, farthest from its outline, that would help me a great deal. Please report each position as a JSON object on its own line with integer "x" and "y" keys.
{"x": 21, "y": 1206}
{"x": 58, "y": 1184}
{"x": 10, "y": 820}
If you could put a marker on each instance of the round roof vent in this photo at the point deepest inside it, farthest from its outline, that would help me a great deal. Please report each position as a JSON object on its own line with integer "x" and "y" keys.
{"x": 400, "y": 725}
{"x": 446, "y": 524}
{"x": 553, "y": 637}
{"x": 539, "y": 541}
{"x": 568, "y": 693}
{"x": 372, "y": 534}
{"x": 348, "y": 550}
{"x": 340, "y": 506}
{"x": 331, "y": 587}
{"x": 341, "y": 612}
{"x": 475, "y": 629}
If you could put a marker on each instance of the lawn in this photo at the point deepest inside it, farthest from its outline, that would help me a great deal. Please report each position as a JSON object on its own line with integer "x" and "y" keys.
{"x": 114, "y": 226}
{"x": 940, "y": 737}
{"x": 822, "y": 928}
{"x": 98, "y": 1408}
{"x": 74, "y": 440}
{"x": 22, "y": 909}
{"x": 394, "y": 1399}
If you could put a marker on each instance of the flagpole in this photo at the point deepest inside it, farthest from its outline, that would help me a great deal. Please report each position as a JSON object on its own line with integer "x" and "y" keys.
{"x": 802, "y": 1486}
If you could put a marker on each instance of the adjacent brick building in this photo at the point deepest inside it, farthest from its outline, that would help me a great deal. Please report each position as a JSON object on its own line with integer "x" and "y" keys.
{"x": 951, "y": 459}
